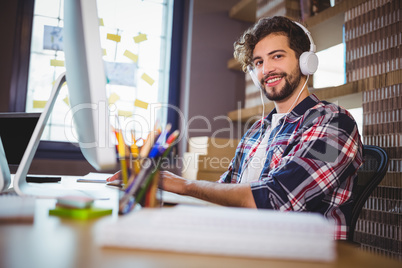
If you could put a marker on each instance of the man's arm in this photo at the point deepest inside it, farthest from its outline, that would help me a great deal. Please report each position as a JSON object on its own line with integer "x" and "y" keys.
{"x": 236, "y": 195}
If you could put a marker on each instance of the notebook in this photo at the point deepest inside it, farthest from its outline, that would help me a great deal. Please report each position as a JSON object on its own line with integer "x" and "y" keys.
{"x": 14, "y": 208}
{"x": 223, "y": 231}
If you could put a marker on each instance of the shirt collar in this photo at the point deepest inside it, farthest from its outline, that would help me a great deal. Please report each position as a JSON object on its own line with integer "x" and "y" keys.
{"x": 299, "y": 110}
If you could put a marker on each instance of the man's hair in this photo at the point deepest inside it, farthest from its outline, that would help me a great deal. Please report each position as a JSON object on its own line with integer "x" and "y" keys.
{"x": 244, "y": 47}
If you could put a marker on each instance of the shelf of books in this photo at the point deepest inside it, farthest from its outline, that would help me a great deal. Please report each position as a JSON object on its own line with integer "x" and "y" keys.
{"x": 362, "y": 85}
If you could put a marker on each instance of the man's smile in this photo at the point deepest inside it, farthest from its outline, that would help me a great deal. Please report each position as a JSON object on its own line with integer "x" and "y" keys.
{"x": 273, "y": 80}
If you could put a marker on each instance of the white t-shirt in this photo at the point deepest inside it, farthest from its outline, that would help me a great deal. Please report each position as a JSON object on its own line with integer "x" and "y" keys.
{"x": 254, "y": 167}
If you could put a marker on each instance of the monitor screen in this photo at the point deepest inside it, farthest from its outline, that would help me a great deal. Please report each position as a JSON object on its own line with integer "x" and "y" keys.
{"x": 15, "y": 132}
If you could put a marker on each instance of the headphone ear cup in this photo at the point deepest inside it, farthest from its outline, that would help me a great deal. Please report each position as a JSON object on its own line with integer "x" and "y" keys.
{"x": 308, "y": 63}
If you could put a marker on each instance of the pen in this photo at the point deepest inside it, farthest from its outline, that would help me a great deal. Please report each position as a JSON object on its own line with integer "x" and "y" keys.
{"x": 121, "y": 148}
{"x": 156, "y": 149}
{"x": 135, "y": 154}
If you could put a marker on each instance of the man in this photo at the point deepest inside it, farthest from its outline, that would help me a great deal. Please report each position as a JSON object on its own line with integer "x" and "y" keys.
{"x": 303, "y": 156}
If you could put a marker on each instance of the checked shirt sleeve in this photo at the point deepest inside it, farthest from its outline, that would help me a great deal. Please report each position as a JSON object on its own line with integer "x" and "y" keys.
{"x": 315, "y": 168}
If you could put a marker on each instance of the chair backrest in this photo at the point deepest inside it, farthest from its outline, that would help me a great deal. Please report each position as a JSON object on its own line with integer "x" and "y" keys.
{"x": 369, "y": 176}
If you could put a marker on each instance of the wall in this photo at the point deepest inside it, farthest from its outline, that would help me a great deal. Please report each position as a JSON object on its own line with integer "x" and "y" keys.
{"x": 213, "y": 89}
{"x": 8, "y": 15}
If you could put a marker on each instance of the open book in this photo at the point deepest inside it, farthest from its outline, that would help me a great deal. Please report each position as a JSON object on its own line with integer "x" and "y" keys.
{"x": 223, "y": 231}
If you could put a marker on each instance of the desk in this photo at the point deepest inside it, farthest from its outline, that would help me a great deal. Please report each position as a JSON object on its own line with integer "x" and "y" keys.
{"x": 53, "y": 242}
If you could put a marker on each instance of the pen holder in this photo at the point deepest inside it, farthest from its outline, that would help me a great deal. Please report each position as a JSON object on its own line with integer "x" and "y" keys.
{"x": 142, "y": 188}
{"x": 153, "y": 195}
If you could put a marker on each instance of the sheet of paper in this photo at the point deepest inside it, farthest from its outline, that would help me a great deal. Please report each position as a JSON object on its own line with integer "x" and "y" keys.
{"x": 118, "y": 73}
{"x": 224, "y": 231}
{"x": 95, "y": 177}
{"x": 52, "y": 38}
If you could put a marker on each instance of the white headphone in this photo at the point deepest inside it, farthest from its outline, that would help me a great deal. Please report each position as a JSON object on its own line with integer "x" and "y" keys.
{"x": 308, "y": 60}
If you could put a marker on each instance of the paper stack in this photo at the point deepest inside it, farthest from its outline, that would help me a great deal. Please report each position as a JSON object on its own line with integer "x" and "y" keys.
{"x": 224, "y": 231}
{"x": 208, "y": 158}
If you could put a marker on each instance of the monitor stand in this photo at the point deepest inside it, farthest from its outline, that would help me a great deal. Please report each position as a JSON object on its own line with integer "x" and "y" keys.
{"x": 20, "y": 185}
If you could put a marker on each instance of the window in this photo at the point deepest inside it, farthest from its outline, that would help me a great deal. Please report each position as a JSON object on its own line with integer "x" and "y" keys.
{"x": 135, "y": 33}
{"x": 331, "y": 68}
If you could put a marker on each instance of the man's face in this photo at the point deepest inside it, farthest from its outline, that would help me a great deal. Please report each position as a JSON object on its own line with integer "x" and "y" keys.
{"x": 277, "y": 67}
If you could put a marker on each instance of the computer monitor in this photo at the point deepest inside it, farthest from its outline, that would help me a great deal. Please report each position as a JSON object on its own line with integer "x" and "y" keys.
{"x": 86, "y": 83}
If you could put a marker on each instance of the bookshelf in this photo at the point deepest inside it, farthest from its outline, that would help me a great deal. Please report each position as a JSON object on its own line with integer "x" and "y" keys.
{"x": 244, "y": 10}
{"x": 362, "y": 85}
{"x": 234, "y": 65}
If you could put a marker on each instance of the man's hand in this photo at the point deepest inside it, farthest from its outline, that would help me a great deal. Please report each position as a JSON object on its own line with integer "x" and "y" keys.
{"x": 173, "y": 183}
{"x": 226, "y": 194}
{"x": 115, "y": 176}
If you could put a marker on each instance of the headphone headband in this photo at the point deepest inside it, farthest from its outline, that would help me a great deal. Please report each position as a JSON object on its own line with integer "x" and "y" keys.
{"x": 312, "y": 45}
{"x": 308, "y": 60}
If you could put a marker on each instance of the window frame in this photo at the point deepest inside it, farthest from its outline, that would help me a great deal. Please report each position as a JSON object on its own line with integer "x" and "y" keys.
{"x": 21, "y": 60}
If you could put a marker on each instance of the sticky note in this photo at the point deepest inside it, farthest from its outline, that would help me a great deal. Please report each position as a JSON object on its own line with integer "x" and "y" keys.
{"x": 140, "y": 38}
{"x": 141, "y": 104}
{"x": 113, "y": 98}
{"x": 101, "y": 22}
{"x": 54, "y": 82}
{"x": 57, "y": 63}
{"x": 38, "y": 104}
{"x": 147, "y": 79}
{"x": 113, "y": 37}
{"x": 124, "y": 113}
{"x": 80, "y": 214}
{"x": 66, "y": 101}
{"x": 131, "y": 55}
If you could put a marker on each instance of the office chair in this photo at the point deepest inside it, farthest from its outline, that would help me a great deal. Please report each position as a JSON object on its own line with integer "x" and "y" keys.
{"x": 369, "y": 175}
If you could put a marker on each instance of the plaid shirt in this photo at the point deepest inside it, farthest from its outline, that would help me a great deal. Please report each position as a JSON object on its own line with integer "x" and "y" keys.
{"x": 310, "y": 166}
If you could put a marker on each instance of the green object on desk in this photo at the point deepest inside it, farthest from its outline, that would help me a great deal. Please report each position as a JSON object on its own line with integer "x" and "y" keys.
{"x": 80, "y": 213}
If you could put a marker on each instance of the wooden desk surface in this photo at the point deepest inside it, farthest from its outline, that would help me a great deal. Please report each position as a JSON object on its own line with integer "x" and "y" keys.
{"x": 56, "y": 242}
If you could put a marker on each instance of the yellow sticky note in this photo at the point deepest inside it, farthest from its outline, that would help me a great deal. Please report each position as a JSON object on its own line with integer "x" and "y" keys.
{"x": 39, "y": 104}
{"x": 141, "y": 104}
{"x": 131, "y": 55}
{"x": 101, "y": 22}
{"x": 66, "y": 101}
{"x": 104, "y": 52}
{"x": 113, "y": 98}
{"x": 140, "y": 38}
{"x": 147, "y": 79}
{"x": 58, "y": 63}
{"x": 125, "y": 113}
{"x": 113, "y": 37}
